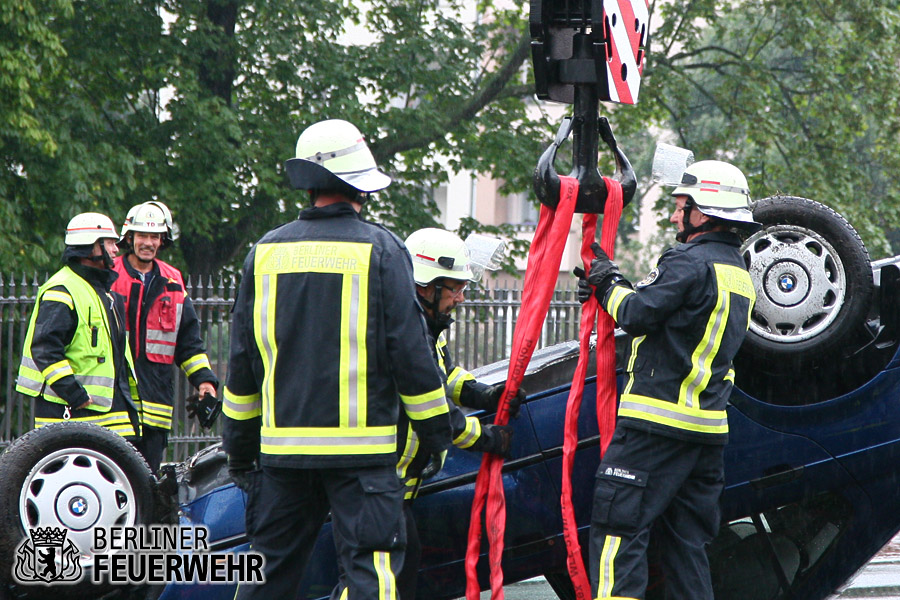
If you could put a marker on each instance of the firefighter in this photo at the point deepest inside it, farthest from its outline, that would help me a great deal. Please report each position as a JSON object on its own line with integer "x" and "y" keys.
{"x": 162, "y": 324}
{"x": 75, "y": 360}
{"x": 442, "y": 269}
{"x": 328, "y": 346}
{"x": 664, "y": 466}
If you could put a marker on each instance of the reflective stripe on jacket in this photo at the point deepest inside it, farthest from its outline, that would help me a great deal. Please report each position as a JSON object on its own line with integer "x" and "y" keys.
{"x": 688, "y": 319}
{"x": 467, "y": 431}
{"x": 116, "y": 421}
{"x": 88, "y": 356}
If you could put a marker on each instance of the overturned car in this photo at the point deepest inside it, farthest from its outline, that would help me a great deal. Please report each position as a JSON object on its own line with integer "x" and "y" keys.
{"x": 812, "y": 466}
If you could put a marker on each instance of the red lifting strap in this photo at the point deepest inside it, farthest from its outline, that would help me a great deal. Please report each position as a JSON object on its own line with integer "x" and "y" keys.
{"x": 606, "y": 381}
{"x": 544, "y": 258}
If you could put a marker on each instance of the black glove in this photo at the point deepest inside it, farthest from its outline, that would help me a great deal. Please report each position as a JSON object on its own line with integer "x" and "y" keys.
{"x": 604, "y": 272}
{"x": 239, "y": 470}
{"x": 434, "y": 466}
{"x": 585, "y": 291}
{"x": 206, "y": 409}
{"x": 493, "y": 395}
{"x": 497, "y": 439}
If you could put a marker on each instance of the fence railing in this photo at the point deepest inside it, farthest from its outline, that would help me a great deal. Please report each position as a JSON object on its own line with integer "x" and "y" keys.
{"x": 481, "y": 334}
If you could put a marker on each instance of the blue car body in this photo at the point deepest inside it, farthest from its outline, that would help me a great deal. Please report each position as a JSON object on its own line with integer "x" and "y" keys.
{"x": 810, "y": 497}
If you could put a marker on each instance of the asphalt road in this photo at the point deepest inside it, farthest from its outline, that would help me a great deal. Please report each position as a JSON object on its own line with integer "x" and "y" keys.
{"x": 879, "y": 580}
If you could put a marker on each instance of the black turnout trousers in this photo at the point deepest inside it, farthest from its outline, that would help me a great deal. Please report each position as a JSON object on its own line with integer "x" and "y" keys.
{"x": 286, "y": 508}
{"x": 648, "y": 480}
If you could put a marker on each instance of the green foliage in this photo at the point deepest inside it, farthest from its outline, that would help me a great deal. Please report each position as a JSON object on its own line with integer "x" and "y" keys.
{"x": 198, "y": 103}
{"x": 802, "y": 96}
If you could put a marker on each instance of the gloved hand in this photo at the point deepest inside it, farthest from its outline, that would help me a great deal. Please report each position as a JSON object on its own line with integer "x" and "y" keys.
{"x": 434, "y": 466}
{"x": 585, "y": 291}
{"x": 495, "y": 393}
{"x": 604, "y": 272}
{"x": 205, "y": 408}
{"x": 497, "y": 439}
{"x": 239, "y": 471}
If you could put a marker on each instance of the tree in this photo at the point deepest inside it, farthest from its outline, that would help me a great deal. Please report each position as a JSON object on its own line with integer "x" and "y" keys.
{"x": 243, "y": 79}
{"x": 30, "y": 52}
{"x": 802, "y": 96}
{"x": 198, "y": 103}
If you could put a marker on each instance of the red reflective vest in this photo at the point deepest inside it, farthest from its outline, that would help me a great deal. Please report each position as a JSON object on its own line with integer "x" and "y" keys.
{"x": 163, "y": 315}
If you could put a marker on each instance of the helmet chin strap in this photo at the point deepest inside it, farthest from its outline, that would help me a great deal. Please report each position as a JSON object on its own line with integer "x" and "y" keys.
{"x": 688, "y": 228}
{"x": 432, "y": 305}
{"x": 104, "y": 258}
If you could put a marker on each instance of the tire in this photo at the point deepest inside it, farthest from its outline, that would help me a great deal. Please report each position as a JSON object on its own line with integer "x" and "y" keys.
{"x": 813, "y": 281}
{"x": 75, "y": 475}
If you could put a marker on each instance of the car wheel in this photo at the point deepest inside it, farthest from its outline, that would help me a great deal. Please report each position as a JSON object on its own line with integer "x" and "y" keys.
{"x": 813, "y": 281}
{"x": 73, "y": 475}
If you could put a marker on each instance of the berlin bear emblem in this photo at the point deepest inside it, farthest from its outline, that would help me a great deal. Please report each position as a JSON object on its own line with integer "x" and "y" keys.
{"x": 47, "y": 557}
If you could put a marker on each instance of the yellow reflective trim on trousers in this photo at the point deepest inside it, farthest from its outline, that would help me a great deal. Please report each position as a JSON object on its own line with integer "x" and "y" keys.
{"x": 195, "y": 363}
{"x": 266, "y": 288}
{"x": 387, "y": 587}
{"x": 327, "y": 441}
{"x": 635, "y": 344}
{"x": 673, "y": 415}
{"x": 616, "y": 296}
{"x": 730, "y": 375}
{"x": 241, "y": 408}
{"x": 57, "y": 371}
{"x": 470, "y": 434}
{"x": 703, "y": 355}
{"x": 55, "y": 296}
{"x": 607, "y": 569}
{"x": 425, "y": 406}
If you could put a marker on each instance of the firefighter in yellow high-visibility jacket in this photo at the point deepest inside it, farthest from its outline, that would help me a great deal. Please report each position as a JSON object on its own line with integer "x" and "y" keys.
{"x": 75, "y": 360}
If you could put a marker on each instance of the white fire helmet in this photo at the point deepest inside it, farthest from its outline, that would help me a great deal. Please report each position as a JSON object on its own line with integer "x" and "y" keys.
{"x": 438, "y": 253}
{"x": 151, "y": 217}
{"x": 86, "y": 228}
{"x": 331, "y": 153}
{"x": 719, "y": 190}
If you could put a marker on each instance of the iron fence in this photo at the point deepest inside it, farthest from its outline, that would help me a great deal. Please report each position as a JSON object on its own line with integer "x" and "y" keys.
{"x": 481, "y": 334}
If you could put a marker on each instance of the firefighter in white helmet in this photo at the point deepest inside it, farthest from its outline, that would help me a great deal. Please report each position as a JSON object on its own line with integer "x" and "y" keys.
{"x": 328, "y": 346}
{"x": 664, "y": 467}
{"x": 442, "y": 269}
{"x": 75, "y": 360}
{"x": 163, "y": 327}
